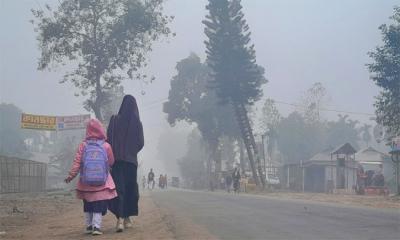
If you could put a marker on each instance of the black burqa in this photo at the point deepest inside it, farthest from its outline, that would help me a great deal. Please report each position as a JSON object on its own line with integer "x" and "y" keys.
{"x": 125, "y": 134}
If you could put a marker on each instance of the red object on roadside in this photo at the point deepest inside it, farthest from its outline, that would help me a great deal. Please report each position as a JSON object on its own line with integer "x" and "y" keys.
{"x": 377, "y": 191}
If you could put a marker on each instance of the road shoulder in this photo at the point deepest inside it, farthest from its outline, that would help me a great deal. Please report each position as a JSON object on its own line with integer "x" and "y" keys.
{"x": 60, "y": 216}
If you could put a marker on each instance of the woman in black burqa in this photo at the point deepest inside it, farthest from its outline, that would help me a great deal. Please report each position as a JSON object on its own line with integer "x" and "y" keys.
{"x": 125, "y": 134}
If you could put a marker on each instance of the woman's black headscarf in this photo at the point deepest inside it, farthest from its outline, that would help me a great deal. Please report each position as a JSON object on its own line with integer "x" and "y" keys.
{"x": 125, "y": 131}
{"x": 129, "y": 108}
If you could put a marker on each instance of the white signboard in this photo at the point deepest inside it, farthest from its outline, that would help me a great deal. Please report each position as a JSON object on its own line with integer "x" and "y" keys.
{"x": 72, "y": 122}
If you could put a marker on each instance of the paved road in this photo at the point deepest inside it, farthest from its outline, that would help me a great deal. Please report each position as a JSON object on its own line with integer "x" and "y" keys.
{"x": 229, "y": 216}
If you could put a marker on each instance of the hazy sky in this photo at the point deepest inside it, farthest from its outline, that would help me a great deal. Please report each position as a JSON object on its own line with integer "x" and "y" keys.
{"x": 299, "y": 42}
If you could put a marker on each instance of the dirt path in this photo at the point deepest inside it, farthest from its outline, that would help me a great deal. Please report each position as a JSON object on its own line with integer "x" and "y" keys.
{"x": 60, "y": 217}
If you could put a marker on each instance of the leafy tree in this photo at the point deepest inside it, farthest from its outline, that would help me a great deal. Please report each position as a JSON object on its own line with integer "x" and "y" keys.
{"x": 385, "y": 72}
{"x": 113, "y": 101}
{"x": 366, "y": 134}
{"x": 188, "y": 90}
{"x": 344, "y": 130}
{"x": 190, "y": 100}
{"x": 228, "y": 151}
{"x": 299, "y": 140}
{"x": 269, "y": 122}
{"x": 312, "y": 101}
{"x": 192, "y": 165}
{"x": 168, "y": 153}
{"x": 236, "y": 77}
{"x": 104, "y": 40}
{"x": 270, "y": 117}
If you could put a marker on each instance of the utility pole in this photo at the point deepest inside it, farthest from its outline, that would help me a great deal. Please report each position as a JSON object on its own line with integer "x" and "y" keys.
{"x": 263, "y": 152}
{"x": 242, "y": 163}
{"x": 395, "y": 152}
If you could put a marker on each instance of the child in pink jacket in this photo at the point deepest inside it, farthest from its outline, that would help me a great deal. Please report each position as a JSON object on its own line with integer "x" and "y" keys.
{"x": 95, "y": 198}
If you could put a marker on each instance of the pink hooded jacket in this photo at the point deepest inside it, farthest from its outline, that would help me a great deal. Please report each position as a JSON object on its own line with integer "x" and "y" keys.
{"x": 94, "y": 130}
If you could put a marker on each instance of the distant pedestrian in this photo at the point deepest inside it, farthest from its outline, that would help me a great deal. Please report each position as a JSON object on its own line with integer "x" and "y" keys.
{"x": 165, "y": 181}
{"x": 360, "y": 182}
{"x": 150, "y": 179}
{"x": 125, "y": 134}
{"x": 95, "y": 186}
{"x": 236, "y": 180}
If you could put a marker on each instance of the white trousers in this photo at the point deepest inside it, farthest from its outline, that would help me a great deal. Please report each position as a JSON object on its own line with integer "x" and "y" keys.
{"x": 93, "y": 219}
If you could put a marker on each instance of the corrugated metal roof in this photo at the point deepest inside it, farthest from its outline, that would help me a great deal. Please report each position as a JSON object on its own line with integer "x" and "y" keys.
{"x": 345, "y": 149}
{"x": 370, "y": 154}
{"x": 322, "y": 156}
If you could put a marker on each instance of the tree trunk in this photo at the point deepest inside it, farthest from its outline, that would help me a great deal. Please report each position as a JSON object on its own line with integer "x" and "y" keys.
{"x": 228, "y": 152}
{"x": 241, "y": 159}
{"x": 244, "y": 125}
{"x": 97, "y": 111}
{"x": 218, "y": 160}
{"x": 98, "y": 101}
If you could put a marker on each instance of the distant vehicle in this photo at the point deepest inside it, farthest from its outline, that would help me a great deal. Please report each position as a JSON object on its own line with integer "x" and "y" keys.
{"x": 272, "y": 180}
{"x": 175, "y": 182}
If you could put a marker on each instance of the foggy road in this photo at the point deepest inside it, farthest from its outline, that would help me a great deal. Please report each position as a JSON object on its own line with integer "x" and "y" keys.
{"x": 229, "y": 216}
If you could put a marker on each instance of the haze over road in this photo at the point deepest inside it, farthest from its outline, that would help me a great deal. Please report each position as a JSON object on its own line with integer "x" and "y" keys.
{"x": 229, "y": 216}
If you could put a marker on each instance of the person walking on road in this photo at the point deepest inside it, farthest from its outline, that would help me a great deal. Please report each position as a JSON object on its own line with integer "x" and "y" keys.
{"x": 93, "y": 159}
{"x": 236, "y": 180}
{"x": 125, "y": 134}
{"x": 150, "y": 179}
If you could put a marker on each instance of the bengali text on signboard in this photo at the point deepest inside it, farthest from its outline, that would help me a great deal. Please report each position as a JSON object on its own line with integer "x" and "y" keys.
{"x": 39, "y": 122}
{"x": 54, "y": 123}
{"x": 72, "y": 122}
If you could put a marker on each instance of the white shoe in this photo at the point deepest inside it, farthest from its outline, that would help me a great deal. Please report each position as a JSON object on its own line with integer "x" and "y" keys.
{"x": 96, "y": 231}
{"x": 127, "y": 222}
{"x": 120, "y": 226}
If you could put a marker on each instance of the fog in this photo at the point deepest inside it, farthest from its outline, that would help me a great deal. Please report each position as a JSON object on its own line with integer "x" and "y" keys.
{"x": 298, "y": 42}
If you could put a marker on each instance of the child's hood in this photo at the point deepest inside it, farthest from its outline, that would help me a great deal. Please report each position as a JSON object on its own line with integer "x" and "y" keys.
{"x": 95, "y": 130}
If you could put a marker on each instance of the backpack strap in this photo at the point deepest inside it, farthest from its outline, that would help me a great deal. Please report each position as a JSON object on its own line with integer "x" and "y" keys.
{"x": 95, "y": 141}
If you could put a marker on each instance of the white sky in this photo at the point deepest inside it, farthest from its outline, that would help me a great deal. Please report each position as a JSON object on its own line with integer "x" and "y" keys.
{"x": 299, "y": 42}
